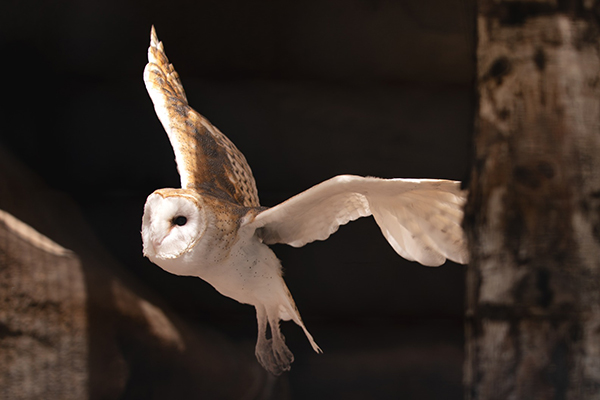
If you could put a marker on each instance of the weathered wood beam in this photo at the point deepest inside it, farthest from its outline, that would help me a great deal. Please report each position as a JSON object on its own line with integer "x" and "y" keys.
{"x": 533, "y": 215}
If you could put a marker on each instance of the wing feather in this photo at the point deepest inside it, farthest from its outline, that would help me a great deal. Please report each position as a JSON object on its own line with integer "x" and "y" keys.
{"x": 420, "y": 218}
{"x": 206, "y": 159}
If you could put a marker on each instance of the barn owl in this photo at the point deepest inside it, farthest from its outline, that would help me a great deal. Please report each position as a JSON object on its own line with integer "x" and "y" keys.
{"x": 214, "y": 227}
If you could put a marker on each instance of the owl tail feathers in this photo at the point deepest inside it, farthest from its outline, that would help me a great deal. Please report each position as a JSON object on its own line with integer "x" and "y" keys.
{"x": 289, "y": 311}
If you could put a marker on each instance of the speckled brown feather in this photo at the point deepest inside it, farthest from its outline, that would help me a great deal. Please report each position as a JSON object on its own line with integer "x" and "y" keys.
{"x": 206, "y": 159}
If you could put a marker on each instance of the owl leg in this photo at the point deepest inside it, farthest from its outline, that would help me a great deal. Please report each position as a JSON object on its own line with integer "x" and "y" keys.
{"x": 272, "y": 353}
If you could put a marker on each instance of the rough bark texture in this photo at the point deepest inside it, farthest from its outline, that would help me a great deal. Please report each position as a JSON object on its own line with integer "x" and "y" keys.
{"x": 533, "y": 216}
{"x": 75, "y": 325}
{"x": 43, "y": 343}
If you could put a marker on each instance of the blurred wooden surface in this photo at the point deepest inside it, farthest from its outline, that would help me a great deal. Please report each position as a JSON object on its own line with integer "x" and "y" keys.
{"x": 533, "y": 215}
{"x": 43, "y": 340}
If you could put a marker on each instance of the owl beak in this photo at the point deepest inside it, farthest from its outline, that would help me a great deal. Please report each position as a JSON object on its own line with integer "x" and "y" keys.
{"x": 157, "y": 242}
{"x": 151, "y": 246}
{"x": 156, "y": 238}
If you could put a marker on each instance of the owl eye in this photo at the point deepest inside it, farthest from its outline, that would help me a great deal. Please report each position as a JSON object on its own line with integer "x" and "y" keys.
{"x": 180, "y": 220}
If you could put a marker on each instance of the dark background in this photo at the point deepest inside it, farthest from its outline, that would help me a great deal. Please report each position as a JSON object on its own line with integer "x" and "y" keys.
{"x": 306, "y": 90}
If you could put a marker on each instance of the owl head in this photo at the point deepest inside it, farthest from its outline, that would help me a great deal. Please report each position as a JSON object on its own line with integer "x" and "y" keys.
{"x": 174, "y": 221}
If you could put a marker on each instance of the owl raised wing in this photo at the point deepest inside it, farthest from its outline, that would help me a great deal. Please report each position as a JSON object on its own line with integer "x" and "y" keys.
{"x": 213, "y": 227}
{"x": 206, "y": 159}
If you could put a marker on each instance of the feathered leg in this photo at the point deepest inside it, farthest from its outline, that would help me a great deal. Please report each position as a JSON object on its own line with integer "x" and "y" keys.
{"x": 272, "y": 353}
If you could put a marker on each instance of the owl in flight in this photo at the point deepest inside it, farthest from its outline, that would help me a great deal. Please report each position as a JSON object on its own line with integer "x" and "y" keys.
{"x": 214, "y": 226}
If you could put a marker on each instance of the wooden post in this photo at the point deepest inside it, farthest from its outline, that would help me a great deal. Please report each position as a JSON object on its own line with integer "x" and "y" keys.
{"x": 533, "y": 214}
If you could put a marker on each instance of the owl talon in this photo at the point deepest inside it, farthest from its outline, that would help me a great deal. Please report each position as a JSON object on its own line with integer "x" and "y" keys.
{"x": 283, "y": 354}
{"x": 274, "y": 357}
{"x": 272, "y": 354}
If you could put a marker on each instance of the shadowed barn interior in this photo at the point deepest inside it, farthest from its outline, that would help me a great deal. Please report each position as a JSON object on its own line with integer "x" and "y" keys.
{"x": 307, "y": 91}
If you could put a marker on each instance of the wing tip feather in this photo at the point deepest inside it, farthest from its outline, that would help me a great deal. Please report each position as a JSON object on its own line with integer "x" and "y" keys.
{"x": 154, "y": 42}
{"x": 153, "y": 36}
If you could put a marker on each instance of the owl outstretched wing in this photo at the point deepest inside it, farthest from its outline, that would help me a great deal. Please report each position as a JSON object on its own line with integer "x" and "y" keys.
{"x": 206, "y": 159}
{"x": 420, "y": 218}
